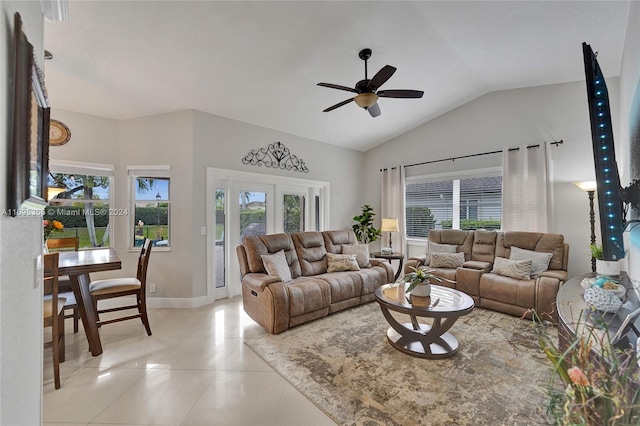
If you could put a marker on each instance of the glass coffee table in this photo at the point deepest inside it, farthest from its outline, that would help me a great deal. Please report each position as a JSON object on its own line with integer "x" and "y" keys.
{"x": 444, "y": 307}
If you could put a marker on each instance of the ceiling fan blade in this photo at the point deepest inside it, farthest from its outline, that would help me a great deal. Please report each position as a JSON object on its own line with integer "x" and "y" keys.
{"x": 400, "y": 93}
{"x": 381, "y": 77}
{"x": 331, "y": 108}
{"x": 337, "y": 86}
{"x": 374, "y": 110}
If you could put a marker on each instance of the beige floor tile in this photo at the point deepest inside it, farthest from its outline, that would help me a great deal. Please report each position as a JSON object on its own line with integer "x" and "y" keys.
{"x": 162, "y": 397}
{"x": 87, "y": 394}
{"x": 199, "y": 353}
{"x": 296, "y": 410}
{"x": 194, "y": 369}
{"x": 238, "y": 398}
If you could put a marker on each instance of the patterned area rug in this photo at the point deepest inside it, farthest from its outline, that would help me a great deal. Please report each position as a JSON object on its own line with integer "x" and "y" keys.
{"x": 344, "y": 364}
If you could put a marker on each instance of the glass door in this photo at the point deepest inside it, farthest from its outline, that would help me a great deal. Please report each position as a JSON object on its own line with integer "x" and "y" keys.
{"x": 219, "y": 259}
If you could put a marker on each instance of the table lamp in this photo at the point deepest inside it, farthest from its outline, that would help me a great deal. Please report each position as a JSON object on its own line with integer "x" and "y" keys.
{"x": 389, "y": 224}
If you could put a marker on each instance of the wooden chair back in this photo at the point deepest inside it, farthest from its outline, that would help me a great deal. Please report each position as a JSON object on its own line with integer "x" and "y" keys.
{"x": 53, "y": 312}
{"x": 63, "y": 243}
{"x": 118, "y": 287}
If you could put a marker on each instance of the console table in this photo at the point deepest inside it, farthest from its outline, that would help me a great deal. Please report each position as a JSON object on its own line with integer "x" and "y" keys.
{"x": 573, "y": 311}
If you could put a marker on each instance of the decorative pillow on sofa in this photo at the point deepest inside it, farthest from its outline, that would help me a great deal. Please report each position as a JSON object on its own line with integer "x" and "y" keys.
{"x": 518, "y": 269}
{"x": 446, "y": 260}
{"x": 360, "y": 250}
{"x": 277, "y": 266}
{"x": 438, "y": 248}
{"x": 342, "y": 262}
{"x": 540, "y": 260}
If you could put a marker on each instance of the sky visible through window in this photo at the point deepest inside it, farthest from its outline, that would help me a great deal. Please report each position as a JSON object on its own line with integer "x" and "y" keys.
{"x": 158, "y": 186}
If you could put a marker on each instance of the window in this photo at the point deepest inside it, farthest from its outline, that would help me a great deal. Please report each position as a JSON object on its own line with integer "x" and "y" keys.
{"x": 466, "y": 203}
{"x": 82, "y": 202}
{"x": 151, "y": 205}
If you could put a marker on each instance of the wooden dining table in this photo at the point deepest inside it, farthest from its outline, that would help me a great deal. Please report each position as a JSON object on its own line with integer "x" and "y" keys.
{"x": 78, "y": 265}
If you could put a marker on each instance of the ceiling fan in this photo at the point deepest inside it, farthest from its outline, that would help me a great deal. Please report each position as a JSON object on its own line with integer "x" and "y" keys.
{"x": 367, "y": 90}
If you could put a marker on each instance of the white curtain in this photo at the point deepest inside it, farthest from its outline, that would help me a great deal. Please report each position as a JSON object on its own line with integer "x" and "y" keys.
{"x": 527, "y": 199}
{"x": 392, "y": 206}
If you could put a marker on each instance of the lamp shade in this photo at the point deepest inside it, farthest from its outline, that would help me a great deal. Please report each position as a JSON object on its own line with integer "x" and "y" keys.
{"x": 389, "y": 224}
{"x": 366, "y": 100}
{"x": 588, "y": 185}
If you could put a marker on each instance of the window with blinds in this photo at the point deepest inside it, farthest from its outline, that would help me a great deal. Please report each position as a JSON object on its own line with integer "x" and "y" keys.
{"x": 466, "y": 203}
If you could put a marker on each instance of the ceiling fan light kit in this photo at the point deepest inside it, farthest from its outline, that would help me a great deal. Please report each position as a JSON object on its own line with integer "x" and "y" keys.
{"x": 366, "y": 100}
{"x": 367, "y": 90}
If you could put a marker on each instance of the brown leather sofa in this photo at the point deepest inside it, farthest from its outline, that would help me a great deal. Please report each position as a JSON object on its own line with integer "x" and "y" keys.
{"x": 313, "y": 292}
{"x": 498, "y": 292}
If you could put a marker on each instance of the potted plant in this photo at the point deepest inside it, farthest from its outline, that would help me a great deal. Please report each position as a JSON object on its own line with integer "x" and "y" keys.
{"x": 365, "y": 231}
{"x": 604, "y": 267}
{"x": 419, "y": 284}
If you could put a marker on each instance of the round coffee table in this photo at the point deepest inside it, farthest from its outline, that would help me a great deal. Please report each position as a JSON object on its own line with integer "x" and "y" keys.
{"x": 444, "y": 306}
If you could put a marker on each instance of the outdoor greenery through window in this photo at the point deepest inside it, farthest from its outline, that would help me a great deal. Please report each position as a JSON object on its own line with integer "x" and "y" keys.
{"x": 152, "y": 213}
{"x": 83, "y": 206}
{"x": 466, "y": 203}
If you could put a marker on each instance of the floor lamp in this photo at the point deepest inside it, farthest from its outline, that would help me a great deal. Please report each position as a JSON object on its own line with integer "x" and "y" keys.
{"x": 590, "y": 188}
{"x": 389, "y": 224}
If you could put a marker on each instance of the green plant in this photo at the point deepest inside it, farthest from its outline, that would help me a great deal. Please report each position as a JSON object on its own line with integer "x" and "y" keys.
{"x": 365, "y": 231}
{"x": 596, "y": 251}
{"x": 420, "y": 276}
{"x": 595, "y": 386}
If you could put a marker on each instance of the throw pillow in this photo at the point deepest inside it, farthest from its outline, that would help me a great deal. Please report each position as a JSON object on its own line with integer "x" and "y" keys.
{"x": 540, "y": 260}
{"x": 438, "y": 248}
{"x": 277, "y": 266}
{"x": 518, "y": 269}
{"x": 361, "y": 251}
{"x": 446, "y": 260}
{"x": 342, "y": 262}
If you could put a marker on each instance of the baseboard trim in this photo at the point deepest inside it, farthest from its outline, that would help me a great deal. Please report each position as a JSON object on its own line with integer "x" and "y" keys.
{"x": 157, "y": 302}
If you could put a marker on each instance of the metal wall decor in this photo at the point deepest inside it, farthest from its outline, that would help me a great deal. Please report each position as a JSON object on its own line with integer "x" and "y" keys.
{"x": 275, "y": 155}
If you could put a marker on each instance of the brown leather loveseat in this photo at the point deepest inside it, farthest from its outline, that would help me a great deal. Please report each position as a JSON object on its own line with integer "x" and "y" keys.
{"x": 501, "y": 288}
{"x": 312, "y": 292}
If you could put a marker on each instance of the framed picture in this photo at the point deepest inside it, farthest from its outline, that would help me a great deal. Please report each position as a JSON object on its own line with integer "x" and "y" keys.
{"x": 624, "y": 327}
{"x": 30, "y": 141}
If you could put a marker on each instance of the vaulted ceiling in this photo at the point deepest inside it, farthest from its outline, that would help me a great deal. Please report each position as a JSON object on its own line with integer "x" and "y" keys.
{"x": 259, "y": 61}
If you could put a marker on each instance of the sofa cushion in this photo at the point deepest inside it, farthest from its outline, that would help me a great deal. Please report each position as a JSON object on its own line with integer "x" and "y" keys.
{"x": 342, "y": 262}
{"x": 269, "y": 244}
{"x": 361, "y": 251}
{"x": 333, "y": 240}
{"x": 540, "y": 260}
{"x": 447, "y": 260}
{"x": 484, "y": 246}
{"x": 311, "y": 252}
{"x": 276, "y": 265}
{"x": 518, "y": 269}
{"x": 438, "y": 248}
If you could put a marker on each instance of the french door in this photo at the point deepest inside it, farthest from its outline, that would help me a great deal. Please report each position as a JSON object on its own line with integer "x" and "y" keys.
{"x": 248, "y": 204}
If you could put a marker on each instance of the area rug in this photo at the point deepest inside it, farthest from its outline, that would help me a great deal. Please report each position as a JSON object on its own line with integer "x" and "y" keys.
{"x": 344, "y": 365}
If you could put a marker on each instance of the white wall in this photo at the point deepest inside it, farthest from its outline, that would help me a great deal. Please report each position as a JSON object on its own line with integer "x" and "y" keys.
{"x": 20, "y": 244}
{"x": 507, "y": 119}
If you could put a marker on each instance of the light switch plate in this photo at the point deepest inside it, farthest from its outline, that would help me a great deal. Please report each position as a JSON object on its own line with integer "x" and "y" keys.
{"x": 203, "y": 230}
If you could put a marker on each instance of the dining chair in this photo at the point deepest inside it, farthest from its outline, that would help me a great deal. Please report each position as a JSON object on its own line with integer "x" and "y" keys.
{"x": 129, "y": 286}
{"x": 63, "y": 243}
{"x": 53, "y": 313}
{"x": 64, "y": 284}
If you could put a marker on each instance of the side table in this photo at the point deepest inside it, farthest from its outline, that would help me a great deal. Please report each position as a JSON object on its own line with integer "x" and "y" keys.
{"x": 390, "y": 257}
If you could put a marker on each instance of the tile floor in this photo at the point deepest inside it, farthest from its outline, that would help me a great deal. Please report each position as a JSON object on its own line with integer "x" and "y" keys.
{"x": 194, "y": 370}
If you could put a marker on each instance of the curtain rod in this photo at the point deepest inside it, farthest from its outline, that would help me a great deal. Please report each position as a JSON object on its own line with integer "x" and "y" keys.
{"x": 560, "y": 142}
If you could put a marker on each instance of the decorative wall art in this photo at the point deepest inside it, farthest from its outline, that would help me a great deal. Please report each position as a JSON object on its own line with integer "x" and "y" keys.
{"x": 275, "y": 155}
{"x": 30, "y": 139}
